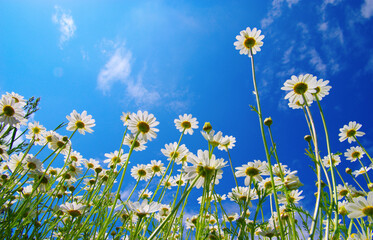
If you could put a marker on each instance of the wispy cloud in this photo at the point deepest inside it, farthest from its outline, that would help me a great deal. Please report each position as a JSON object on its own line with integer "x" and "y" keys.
{"x": 66, "y": 24}
{"x": 316, "y": 61}
{"x": 276, "y": 11}
{"x": 118, "y": 70}
{"x": 367, "y": 9}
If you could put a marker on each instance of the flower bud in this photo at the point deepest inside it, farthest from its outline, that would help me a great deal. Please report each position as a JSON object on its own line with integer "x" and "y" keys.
{"x": 348, "y": 170}
{"x": 370, "y": 186}
{"x": 207, "y": 127}
{"x": 268, "y": 121}
{"x": 308, "y": 138}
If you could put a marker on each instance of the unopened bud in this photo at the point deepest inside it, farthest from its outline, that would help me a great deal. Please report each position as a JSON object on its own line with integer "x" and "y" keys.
{"x": 207, "y": 127}
{"x": 370, "y": 186}
{"x": 348, "y": 170}
{"x": 268, "y": 121}
{"x": 308, "y": 138}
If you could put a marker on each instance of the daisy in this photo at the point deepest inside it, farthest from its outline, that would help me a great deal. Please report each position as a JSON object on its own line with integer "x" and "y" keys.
{"x": 291, "y": 181}
{"x": 242, "y": 194}
{"x": 294, "y": 197}
{"x": 172, "y": 154}
{"x": 361, "y": 236}
{"x": 73, "y": 209}
{"x": 228, "y": 142}
{"x": 204, "y": 166}
{"x": 139, "y": 144}
{"x": 231, "y": 217}
{"x": 354, "y": 153}
{"x": 32, "y": 163}
{"x": 187, "y": 123}
{"x": 249, "y": 41}
{"x": 116, "y": 158}
{"x": 92, "y": 164}
{"x": 145, "y": 194}
{"x": 362, "y": 170}
{"x": 75, "y": 158}
{"x": 141, "y": 172}
{"x": 343, "y": 191}
{"x": 335, "y": 160}
{"x": 17, "y": 98}
{"x": 143, "y": 209}
{"x": 361, "y": 207}
{"x": 3, "y": 152}
{"x": 36, "y": 131}
{"x": 322, "y": 89}
{"x": 143, "y": 123}
{"x": 11, "y": 113}
{"x": 251, "y": 170}
{"x": 303, "y": 85}
{"x": 125, "y": 117}
{"x": 81, "y": 122}
{"x": 156, "y": 167}
{"x": 214, "y": 139}
{"x": 177, "y": 180}
{"x": 61, "y": 143}
{"x": 350, "y": 131}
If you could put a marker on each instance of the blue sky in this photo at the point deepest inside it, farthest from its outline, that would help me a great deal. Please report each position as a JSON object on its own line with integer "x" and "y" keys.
{"x": 176, "y": 57}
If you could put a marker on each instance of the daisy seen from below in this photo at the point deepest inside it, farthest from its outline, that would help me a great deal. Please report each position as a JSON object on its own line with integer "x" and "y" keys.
{"x": 322, "y": 89}
{"x": 350, "y": 131}
{"x": 187, "y": 123}
{"x": 144, "y": 124}
{"x": 125, "y": 117}
{"x": 73, "y": 209}
{"x": 172, "y": 154}
{"x": 251, "y": 170}
{"x": 3, "y": 152}
{"x": 36, "y": 131}
{"x": 214, "y": 139}
{"x": 354, "y": 153}
{"x": 17, "y": 98}
{"x": 139, "y": 144}
{"x": 81, "y": 122}
{"x": 11, "y": 113}
{"x": 303, "y": 85}
{"x": 336, "y": 159}
{"x": 249, "y": 41}
{"x": 156, "y": 167}
{"x": 116, "y": 158}
{"x": 228, "y": 142}
{"x": 143, "y": 209}
{"x": 361, "y": 171}
{"x": 361, "y": 207}
{"x": 141, "y": 172}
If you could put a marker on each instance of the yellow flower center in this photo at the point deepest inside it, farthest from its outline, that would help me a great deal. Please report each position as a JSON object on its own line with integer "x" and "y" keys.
{"x": 8, "y": 110}
{"x": 36, "y": 130}
{"x": 156, "y": 168}
{"x": 368, "y": 211}
{"x": 351, "y": 133}
{"x": 251, "y": 171}
{"x": 79, "y": 124}
{"x": 249, "y": 42}
{"x": 174, "y": 155}
{"x": 143, "y": 127}
{"x": 355, "y": 155}
{"x": 300, "y": 88}
{"x": 186, "y": 124}
{"x": 74, "y": 213}
{"x": 141, "y": 172}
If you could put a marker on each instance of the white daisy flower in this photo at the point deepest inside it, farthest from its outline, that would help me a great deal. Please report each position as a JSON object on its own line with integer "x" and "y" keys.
{"x": 11, "y": 113}
{"x": 361, "y": 207}
{"x": 125, "y": 117}
{"x": 36, "y": 131}
{"x": 322, "y": 88}
{"x": 249, "y": 40}
{"x": 171, "y": 153}
{"x": 81, "y": 122}
{"x": 227, "y": 142}
{"x": 186, "y": 122}
{"x": 116, "y": 158}
{"x": 242, "y": 194}
{"x": 350, "y": 131}
{"x": 361, "y": 171}
{"x": 73, "y": 209}
{"x": 294, "y": 197}
{"x": 144, "y": 123}
{"x": 354, "y": 153}
{"x": 251, "y": 170}
{"x": 303, "y": 85}
{"x": 214, "y": 139}
{"x": 139, "y": 144}
{"x": 3, "y": 152}
{"x": 75, "y": 158}
{"x": 17, "y": 98}
{"x": 145, "y": 194}
{"x": 336, "y": 159}
{"x": 143, "y": 209}
{"x": 141, "y": 172}
{"x": 156, "y": 167}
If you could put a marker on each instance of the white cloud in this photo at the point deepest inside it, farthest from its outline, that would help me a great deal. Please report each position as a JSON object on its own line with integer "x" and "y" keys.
{"x": 367, "y": 9}
{"x": 316, "y": 61}
{"x": 66, "y": 24}
{"x": 118, "y": 70}
{"x": 276, "y": 11}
